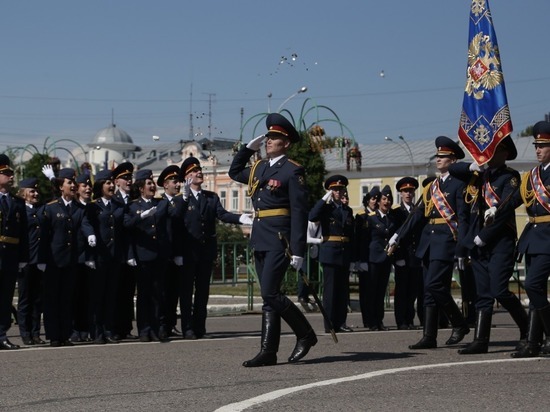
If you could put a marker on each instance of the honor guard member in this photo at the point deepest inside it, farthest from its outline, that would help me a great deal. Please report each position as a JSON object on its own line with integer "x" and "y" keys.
{"x": 534, "y": 243}
{"x": 201, "y": 247}
{"x": 407, "y": 267}
{"x": 30, "y": 279}
{"x": 336, "y": 254}
{"x": 63, "y": 221}
{"x": 490, "y": 242}
{"x": 122, "y": 177}
{"x": 173, "y": 281}
{"x": 444, "y": 217}
{"x": 107, "y": 219}
{"x": 277, "y": 188}
{"x": 14, "y": 247}
{"x": 380, "y": 226}
{"x": 147, "y": 224}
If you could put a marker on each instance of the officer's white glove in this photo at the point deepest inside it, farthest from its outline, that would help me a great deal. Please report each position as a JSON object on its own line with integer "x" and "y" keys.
{"x": 461, "y": 263}
{"x": 296, "y": 262}
{"x": 41, "y": 267}
{"x": 245, "y": 219}
{"x": 489, "y": 215}
{"x": 92, "y": 240}
{"x": 393, "y": 239}
{"x": 353, "y": 266}
{"x": 47, "y": 170}
{"x": 148, "y": 212}
{"x": 186, "y": 188}
{"x": 474, "y": 167}
{"x": 479, "y": 242}
{"x": 328, "y": 197}
{"x": 178, "y": 260}
{"x": 400, "y": 263}
{"x": 90, "y": 264}
{"x": 256, "y": 143}
{"x": 131, "y": 262}
{"x": 314, "y": 240}
{"x": 362, "y": 266}
{"x": 22, "y": 265}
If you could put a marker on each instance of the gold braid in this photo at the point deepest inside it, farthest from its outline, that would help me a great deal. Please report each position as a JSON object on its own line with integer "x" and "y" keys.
{"x": 527, "y": 195}
{"x": 472, "y": 190}
{"x": 429, "y": 204}
{"x": 252, "y": 186}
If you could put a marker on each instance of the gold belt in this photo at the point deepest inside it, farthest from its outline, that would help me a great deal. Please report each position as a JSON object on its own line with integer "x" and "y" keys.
{"x": 272, "y": 212}
{"x": 539, "y": 219}
{"x": 437, "y": 221}
{"x": 9, "y": 239}
{"x": 335, "y": 239}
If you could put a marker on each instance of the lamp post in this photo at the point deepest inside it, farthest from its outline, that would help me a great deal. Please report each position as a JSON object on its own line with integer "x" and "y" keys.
{"x": 302, "y": 89}
{"x": 405, "y": 147}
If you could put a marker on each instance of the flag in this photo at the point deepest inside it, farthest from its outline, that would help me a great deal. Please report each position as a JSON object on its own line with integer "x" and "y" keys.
{"x": 485, "y": 118}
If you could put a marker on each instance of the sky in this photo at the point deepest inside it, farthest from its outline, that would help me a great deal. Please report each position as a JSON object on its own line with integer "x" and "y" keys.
{"x": 67, "y": 66}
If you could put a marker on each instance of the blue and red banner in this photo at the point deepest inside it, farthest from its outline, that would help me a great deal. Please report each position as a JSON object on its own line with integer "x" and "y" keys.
{"x": 485, "y": 119}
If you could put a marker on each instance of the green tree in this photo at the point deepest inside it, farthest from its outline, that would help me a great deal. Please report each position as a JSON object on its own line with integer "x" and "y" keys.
{"x": 33, "y": 168}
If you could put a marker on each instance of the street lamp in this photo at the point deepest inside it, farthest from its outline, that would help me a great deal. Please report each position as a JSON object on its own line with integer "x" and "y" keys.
{"x": 405, "y": 147}
{"x": 302, "y": 89}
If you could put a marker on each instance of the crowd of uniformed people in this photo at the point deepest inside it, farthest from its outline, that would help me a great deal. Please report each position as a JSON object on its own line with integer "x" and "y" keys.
{"x": 80, "y": 257}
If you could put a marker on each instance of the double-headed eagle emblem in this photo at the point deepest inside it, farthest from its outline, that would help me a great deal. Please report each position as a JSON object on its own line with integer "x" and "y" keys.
{"x": 484, "y": 71}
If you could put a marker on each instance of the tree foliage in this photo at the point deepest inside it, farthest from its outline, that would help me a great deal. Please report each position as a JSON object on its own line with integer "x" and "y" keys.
{"x": 33, "y": 168}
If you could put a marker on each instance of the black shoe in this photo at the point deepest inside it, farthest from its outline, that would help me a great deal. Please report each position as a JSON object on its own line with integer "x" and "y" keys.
{"x": 67, "y": 343}
{"x": 175, "y": 332}
{"x": 76, "y": 338}
{"x": 144, "y": 338}
{"x": 110, "y": 339}
{"x": 99, "y": 341}
{"x": 28, "y": 341}
{"x": 403, "y": 327}
{"x": 261, "y": 359}
{"x": 381, "y": 327}
{"x": 373, "y": 328}
{"x": 129, "y": 336}
{"x": 425, "y": 343}
{"x": 154, "y": 337}
{"x": 38, "y": 341}
{"x": 163, "y": 335}
{"x": 189, "y": 334}
{"x": 457, "y": 335}
{"x": 303, "y": 346}
{"x": 344, "y": 329}
{"x": 7, "y": 345}
{"x": 55, "y": 343}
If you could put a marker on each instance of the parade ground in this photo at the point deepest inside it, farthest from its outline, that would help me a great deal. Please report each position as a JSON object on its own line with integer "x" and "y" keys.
{"x": 364, "y": 371}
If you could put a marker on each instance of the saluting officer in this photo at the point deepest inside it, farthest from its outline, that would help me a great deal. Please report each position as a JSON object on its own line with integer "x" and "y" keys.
{"x": 336, "y": 253}
{"x": 30, "y": 279}
{"x": 491, "y": 243}
{"x": 534, "y": 243}
{"x": 14, "y": 247}
{"x": 444, "y": 217}
{"x": 278, "y": 191}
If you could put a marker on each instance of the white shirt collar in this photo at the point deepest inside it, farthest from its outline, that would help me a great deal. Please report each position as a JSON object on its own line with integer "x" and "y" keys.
{"x": 275, "y": 160}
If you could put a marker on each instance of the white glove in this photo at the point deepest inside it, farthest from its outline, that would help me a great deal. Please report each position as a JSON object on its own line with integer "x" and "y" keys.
{"x": 314, "y": 240}
{"x": 479, "y": 242}
{"x": 186, "y": 189}
{"x": 363, "y": 266}
{"x": 328, "y": 197}
{"x": 490, "y": 214}
{"x": 474, "y": 167}
{"x": 178, "y": 260}
{"x": 92, "y": 240}
{"x": 148, "y": 212}
{"x": 90, "y": 264}
{"x": 41, "y": 267}
{"x": 256, "y": 143}
{"x": 353, "y": 266}
{"x": 296, "y": 262}
{"x": 22, "y": 265}
{"x": 400, "y": 263}
{"x": 131, "y": 262}
{"x": 47, "y": 170}
{"x": 245, "y": 219}
{"x": 461, "y": 263}
{"x": 393, "y": 239}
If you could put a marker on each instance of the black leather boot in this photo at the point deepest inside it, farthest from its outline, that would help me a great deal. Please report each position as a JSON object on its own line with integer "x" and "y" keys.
{"x": 544, "y": 315}
{"x": 305, "y": 335}
{"x": 519, "y": 315}
{"x": 460, "y": 328}
{"x": 429, "y": 338}
{"x": 534, "y": 338}
{"x": 271, "y": 334}
{"x": 481, "y": 336}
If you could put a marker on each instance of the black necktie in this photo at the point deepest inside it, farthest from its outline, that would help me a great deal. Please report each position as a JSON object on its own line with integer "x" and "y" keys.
{"x": 108, "y": 206}
{"x": 68, "y": 207}
{"x": 4, "y": 204}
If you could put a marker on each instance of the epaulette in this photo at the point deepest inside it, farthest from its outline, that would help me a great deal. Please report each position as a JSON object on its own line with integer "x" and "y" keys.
{"x": 294, "y": 163}
{"x": 158, "y": 198}
{"x": 395, "y": 207}
{"x": 362, "y": 212}
{"x": 372, "y": 213}
{"x": 52, "y": 202}
{"x": 179, "y": 194}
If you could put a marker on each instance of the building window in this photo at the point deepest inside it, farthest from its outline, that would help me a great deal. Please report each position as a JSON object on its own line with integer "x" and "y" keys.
{"x": 247, "y": 203}
{"x": 234, "y": 200}
{"x": 223, "y": 197}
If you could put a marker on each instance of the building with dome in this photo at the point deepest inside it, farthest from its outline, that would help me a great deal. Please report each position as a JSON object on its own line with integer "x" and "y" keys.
{"x": 111, "y": 146}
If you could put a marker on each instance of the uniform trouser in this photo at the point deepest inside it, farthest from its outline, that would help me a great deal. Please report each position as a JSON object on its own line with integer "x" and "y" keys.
{"x": 336, "y": 294}
{"x": 103, "y": 295}
{"x": 407, "y": 281}
{"x": 271, "y": 267}
{"x": 150, "y": 296}
{"x": 197, "y": 272}
{"x": 536, "y": 280}
{"x": 437, "y": 282}
{"x": 363, "y": 279}
{"x": 8, "y": 275}
{"x": 492, "y": 273}
{"x": 58, "y": 301}
{"x": 81, "y": 308}
{"x": 29, "y": 305}
{"x": 125, "y": 299}
{"x": 172, "y": 289}
{"x": 377, "y": 284}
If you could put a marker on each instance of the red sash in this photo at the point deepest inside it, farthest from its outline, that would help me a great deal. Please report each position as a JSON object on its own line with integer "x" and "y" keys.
{"x": 491, "y": 198}
{"x": 444, "y": 208}
{"x": 541, "y": 193}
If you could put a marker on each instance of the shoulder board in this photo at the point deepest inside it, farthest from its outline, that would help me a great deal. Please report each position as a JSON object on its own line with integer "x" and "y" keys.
{"x": 294, "y": 163}
{"x": 135, "y": 200}
{"x": 372, "y": 213}
{"x": 395, "y": 207}
{"x": 159, "y": 197}
{"x": 52, "y": 202}
{"x": 362, "y": 212}
{"x": 179, "y": 195}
